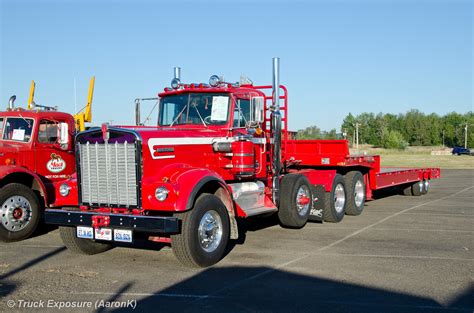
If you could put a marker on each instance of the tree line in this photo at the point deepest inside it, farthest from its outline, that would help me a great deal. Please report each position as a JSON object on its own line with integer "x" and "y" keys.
{"x": 413, "y": 128}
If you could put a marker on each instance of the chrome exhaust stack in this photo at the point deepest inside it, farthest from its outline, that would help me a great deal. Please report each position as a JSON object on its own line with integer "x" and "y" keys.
{"x": 11, "y": 102}
{"x": 276, "y": 130}
{"x": 137, "y": 112}
{"x": 177, "y": 73}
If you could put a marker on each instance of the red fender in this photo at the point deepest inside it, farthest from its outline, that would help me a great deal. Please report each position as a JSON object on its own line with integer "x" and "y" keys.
{"x": 7, "y": 170}
{"x": 183, "y": 182}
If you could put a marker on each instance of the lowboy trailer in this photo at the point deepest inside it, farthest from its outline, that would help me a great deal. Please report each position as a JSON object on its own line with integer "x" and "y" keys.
{"x": 220, "y": 151}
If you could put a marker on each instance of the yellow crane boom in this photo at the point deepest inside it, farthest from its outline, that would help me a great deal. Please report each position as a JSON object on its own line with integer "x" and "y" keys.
{"x": 32, "y": 95}
{"x": 85, "y": 115}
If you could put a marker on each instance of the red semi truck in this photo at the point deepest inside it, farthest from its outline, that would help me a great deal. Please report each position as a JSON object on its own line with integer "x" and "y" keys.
{"x": 36, "y": 154}
{"x": 220, "y": 151}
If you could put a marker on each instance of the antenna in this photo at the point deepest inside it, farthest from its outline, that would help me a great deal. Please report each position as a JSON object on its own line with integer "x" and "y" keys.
{"x": 75, "y": 96}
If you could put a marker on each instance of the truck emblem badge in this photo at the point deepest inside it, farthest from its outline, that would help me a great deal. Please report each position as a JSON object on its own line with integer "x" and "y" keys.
{"x": 56, "y": 164}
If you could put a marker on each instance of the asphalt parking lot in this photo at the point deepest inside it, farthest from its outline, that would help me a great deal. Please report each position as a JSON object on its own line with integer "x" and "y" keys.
{"x": 404, "y": 254}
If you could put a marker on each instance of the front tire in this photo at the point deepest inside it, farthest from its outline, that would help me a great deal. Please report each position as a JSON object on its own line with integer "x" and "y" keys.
{"x": 335, "y": 201}
{"x": 295, "y": 201}
{"x": 355, "y": 193}
{"x": 20, "y": 212}
{"x": 80, "y": 245}
{"x": 204, "y": 233}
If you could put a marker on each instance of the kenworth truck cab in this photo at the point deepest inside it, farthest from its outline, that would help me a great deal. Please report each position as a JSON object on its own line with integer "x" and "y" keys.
{"x": 36, "y": 154}
{"x": 220, "y": 151}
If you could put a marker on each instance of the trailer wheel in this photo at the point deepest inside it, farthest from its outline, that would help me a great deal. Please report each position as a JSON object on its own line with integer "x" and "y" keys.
{"x": 204, "y": 233}
{"x": 417, "y": 188}
{"x": 355, "y": 192}
{"x": 80, "y": 245}
{"x": 426, "y": 186}
{"x": 335, "y": 201}
{"x": 407, "y": 191}
{"x": 19, "y": 212}
{"x": 295, "y": 201}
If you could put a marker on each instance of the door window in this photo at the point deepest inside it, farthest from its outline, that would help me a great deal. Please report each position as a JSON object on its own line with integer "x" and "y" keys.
{"x": 48, "y": 132}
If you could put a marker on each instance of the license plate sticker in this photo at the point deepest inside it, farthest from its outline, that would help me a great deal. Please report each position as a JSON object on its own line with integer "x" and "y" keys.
{"x": 85, "y": 232}
{"x": 103, "y": 234}
{"x": 123, "y": 235}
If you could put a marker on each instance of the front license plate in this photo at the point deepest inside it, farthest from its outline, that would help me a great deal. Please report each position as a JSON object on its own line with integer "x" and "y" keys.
{"x": 103, "y": 234}
{"x": 123, "y": 235}
{"x": 85, "y": 232}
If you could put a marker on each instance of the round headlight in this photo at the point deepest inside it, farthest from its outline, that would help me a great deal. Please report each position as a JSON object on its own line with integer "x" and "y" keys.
{"x": 64, "y": 190}
{"x": 161, "y": 193}
{"x": 214, "y": 81}
{"x": 175, "y": 83}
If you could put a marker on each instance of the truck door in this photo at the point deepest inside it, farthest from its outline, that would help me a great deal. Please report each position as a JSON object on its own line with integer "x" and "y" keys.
{"x": 54, "y": 161}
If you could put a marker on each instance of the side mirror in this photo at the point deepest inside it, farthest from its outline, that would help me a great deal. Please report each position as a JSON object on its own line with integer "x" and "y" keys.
{"x": 256, "y": 109}
{"x": 63, "y": 135}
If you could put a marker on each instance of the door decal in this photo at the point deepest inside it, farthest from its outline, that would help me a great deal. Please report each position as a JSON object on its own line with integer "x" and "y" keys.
{"x": 56, "y": 164}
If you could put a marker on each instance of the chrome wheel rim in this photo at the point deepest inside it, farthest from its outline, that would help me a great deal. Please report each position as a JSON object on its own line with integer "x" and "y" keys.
{"x": 359, "y": 193}
{"x": 303, "y": 200}
{"x": 427, "y": 185}
{"x": 210, "y": 231}
{"x": 339, "y": 198}
{"x": 16, "y": 213}
{"x": 420, "y": 185}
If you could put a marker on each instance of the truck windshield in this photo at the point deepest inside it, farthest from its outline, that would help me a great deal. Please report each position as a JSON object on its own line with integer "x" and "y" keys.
{"x": 18, "y": 129}
{"x": 194, "y": 108}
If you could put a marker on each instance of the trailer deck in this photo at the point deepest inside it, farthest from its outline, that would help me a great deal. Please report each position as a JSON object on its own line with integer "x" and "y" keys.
{"x": 334, "y": 155}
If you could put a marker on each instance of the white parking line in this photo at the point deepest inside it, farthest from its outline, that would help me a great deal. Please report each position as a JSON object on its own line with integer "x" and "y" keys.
{"x": 31, "y": 246}
{"x": 324, "y": 248}
{"x": 426, "y": 230}
{"x": 140, "y": 294}
{"x": 393, "y": 256}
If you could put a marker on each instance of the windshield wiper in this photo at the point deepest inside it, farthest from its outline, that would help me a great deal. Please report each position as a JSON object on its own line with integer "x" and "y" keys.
{"x": 199, "y": 114}
{"x": 179, "y": 115}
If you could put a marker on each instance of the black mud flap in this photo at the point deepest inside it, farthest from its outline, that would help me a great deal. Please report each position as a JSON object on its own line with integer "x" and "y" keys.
{"x": 318, "y": 192}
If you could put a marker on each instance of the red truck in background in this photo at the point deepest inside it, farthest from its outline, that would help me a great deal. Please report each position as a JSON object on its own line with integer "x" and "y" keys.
{"x": 36, "y": 154}
{"x": 220, "y": 151}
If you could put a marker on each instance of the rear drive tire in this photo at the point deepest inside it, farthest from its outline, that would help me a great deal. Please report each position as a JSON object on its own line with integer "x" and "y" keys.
{"x": 335, "y": 201}
{"x": 204, "y": 233}
{"x": 417, "y": 188}
{"x": 356, "y": 193}
{"x": 295, "y": 201}
{"x": 80, "y": 245}
{"x": 20, "y": 212}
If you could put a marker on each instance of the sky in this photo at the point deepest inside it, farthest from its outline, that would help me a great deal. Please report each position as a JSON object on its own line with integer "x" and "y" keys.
{"x": 336, "y": 56}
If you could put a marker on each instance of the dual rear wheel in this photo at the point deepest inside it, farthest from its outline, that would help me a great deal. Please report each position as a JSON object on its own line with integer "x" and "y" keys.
{"x": 299, "y": 199}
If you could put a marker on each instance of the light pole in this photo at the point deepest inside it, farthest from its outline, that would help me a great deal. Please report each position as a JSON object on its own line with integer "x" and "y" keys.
{"x": 357, "y": 136}
{"x": 465, "y": 136}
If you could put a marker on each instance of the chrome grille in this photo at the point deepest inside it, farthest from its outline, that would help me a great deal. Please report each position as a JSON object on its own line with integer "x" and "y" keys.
{"x": 108, "y": 174}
